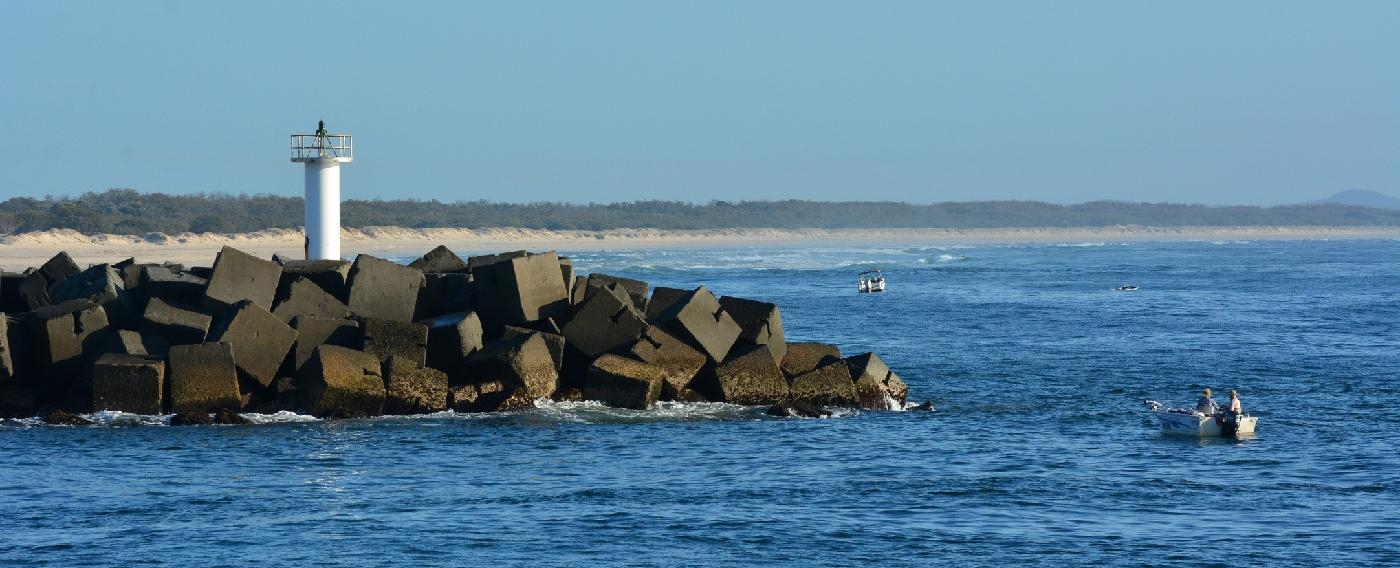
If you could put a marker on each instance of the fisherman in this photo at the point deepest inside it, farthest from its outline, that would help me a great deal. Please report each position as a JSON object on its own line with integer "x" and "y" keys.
{"x": 1234, "y": 408}
{"x": 1206, "y": 404}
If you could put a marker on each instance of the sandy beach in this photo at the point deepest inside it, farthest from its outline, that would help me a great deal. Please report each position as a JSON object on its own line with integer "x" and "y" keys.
{"x": 18, "y": 252}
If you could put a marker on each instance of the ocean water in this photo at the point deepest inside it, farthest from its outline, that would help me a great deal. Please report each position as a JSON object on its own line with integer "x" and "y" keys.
{"x": 1040, "y": 451}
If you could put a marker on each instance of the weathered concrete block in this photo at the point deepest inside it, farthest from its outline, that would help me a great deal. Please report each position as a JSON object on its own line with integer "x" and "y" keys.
{"x": 475, "y": 262}
{"x": 382, "y": 289}
{"x": 566, "y": 270}
{"x": 578, "y": 292}
{"x": 59, "y": 268}
{"x": 259, "y": 339}
{"x": 413, "y": 389}
{"x": 175, "y": 288}
{"x": 304, "y": 298}
{"x": 752, "y": 378}
{"x": 128, "y": 342}
{"x": 452, "y": 339}
{"x": 34, "y": 291}
{"x": 760, "y": 323}
{"x": 16, "y": 401}
{"x": 238, "y": 276}
{"x": 388, "y": 338}
{"x": 16, "y": 355}
{"x": 342, "y": 382}
{"x": 10, "y": 299}
{"x": 66, "y": 338}
{"x": 828, "y": 385}
{"x": 605, "y": 321}
{"x": 636, "y": 290}
{"x": 520, "y": 362}
{"x": 444, "y": 294}
{"x": 314, "y": 331}
{"x": 128, "y": 383}
{"x": 803, "y": 358}
{"x": 520, "y": 289}
{"x": 623, "y": 382}
{"x": 203, "y": 378}
{"x": 678, "y": 362}
{"x": 698, "y": 318}
{"x": 877, "y": 387}
{"x": 439, "y": 260}
{"x": 554, "y": 341}
{"x": 99, "y": 284}
{"x": 330, "y": 275}
{"x": 489, "y": 396}
{"x": 662, "y": 298}
{"x": 179, "y": 326}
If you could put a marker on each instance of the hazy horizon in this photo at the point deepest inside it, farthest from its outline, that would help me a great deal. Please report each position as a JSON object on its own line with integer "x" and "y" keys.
{"x": 1219, "y": 104}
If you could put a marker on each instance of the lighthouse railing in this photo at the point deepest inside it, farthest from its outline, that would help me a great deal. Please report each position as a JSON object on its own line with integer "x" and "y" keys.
{"x": 312, "y": 146}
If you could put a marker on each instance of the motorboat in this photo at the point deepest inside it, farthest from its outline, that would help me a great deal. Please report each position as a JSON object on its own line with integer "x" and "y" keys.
{"x": 1126, "y": 288}
{"x": 1189, "y": 422}
{"x": 871, "y": 281}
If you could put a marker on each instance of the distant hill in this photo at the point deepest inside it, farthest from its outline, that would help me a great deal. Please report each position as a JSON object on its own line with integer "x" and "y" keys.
{"x": 1362, "y": 198}
{"x": 128, "y": 212}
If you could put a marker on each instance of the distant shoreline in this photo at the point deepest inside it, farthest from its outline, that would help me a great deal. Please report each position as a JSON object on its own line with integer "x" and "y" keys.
{"x": 21, "y": 251}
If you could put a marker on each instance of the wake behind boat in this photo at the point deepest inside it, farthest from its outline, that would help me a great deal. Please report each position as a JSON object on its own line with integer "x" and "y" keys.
{"x": 1188, "y": 422}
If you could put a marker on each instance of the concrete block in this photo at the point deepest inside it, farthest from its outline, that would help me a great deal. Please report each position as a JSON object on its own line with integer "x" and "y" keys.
{"x": 662, "y": 298}
{"x": 439, "y": 260}
{"x": 623, "y": 382}
{"x": 413, "y": 389}
{"x": 698, "y": 319}
{"x": 752, "y": 378}
{"x": 102, "y": 285}
{"x": 128, "y": 342}
{"x": 636, "y": 290}
{"x": 760, "y": 323}
{"x": 389, "y": 338}
{"x": 566, "y": 270}
{"x": 678, "y": 362}
{"x": 128, "y": 383}
{"x": 331, "y": 275}
{"x": 238, "y": 276}
{"x": 490, "y": 396}
{"x": 521, "y": 362}
{"x": 877, "y": 387}
{"x": 518, "y": 290}
{"x": 382, "y": 289}
{"x": 313, "y": 332}
{"x": 604, "y": 322}
{"x": 341, "y": 382}
{"x": 304, "y": 298}
{"x": 554, "y": 341}
{"x": 34, "y": 291}
{"x": 175, "y": 288}
{"x": 444, "y": 294}
{"x": 804, "y": 358}
{"x": 16, "y": 401}
{"x": 59, "y": 268}
{"x": 10, "y": 299}
{"x": 16, "y": 355}
{"x": 475, "y": 262}
{"x": 179, "y": 326}
{"x": 828, "y": 385}
{"x": 203, "y": 378}
{"x": 452, "y": 339}
{"x": 259, "y": 339}
{"x": 578, "y": 292}
{"x": 66, "y": 338}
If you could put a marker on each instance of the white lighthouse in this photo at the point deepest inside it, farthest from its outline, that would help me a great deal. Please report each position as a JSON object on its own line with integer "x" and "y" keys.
{"x": 323, "y": 153}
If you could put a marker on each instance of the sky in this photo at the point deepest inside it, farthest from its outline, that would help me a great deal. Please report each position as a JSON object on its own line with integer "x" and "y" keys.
{"x": 1255, "y": 103}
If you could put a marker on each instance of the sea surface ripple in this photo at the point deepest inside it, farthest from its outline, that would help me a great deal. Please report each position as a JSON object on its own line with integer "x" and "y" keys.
{"x": 1040, "y": 451}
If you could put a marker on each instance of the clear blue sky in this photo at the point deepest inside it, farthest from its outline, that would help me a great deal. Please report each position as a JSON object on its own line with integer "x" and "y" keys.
{"x": 1208, "y": 102}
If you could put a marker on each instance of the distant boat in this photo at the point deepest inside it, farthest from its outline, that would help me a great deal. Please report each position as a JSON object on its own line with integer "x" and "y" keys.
{"x": 1126, "y": 288}
{"x": 1188, "y": 422}
{"x": 871, "y": 281}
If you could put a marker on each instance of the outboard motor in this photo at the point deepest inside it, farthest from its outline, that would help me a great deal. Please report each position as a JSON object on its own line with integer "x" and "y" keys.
{"x": 1229, "y": 425}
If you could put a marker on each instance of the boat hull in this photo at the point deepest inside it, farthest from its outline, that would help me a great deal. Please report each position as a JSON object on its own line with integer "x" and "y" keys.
{"x": 1201, "y": 425}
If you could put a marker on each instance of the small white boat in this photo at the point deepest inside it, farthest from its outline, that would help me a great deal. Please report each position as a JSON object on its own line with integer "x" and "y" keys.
{"x": 1126, "y": 288}
{"x": 1188, "y": 422}
{"x": 871, "y": 281}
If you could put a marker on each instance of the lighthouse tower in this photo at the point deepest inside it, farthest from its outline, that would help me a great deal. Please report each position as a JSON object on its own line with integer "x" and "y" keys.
{"x": 323, "y": 153}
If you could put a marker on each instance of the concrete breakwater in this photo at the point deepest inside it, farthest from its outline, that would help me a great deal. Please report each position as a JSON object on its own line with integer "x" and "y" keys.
{"x": 372, "y": 337}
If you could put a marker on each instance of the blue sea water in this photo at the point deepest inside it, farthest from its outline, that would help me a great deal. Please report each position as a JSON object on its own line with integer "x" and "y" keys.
{"x": 1040, "y": 451}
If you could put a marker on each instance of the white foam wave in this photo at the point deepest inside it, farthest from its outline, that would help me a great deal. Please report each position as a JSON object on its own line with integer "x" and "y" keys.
{"x": 282, "y": 417}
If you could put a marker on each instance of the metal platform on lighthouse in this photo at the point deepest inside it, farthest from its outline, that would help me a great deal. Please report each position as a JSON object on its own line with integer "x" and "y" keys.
{"x": 323, "y": 153}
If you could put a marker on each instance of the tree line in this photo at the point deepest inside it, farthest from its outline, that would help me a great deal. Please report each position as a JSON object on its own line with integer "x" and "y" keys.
{"x": 126, "y": 211}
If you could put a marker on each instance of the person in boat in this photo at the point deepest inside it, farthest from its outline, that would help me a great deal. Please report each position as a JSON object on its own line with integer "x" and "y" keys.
{"x": 1234, "y": 408}
{"x": 1206, "y": 404}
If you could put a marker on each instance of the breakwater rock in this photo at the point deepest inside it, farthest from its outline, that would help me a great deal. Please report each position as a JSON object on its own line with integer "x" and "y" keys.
{"x": 372, "y": 337}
